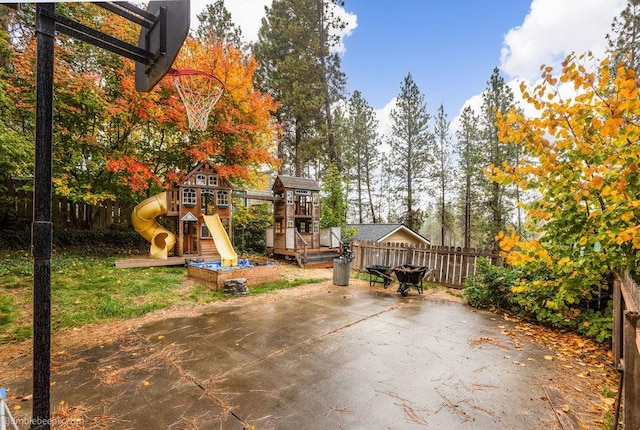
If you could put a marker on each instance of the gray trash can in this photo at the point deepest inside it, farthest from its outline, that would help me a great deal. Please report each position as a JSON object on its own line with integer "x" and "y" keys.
{"x": 341, "y": 271}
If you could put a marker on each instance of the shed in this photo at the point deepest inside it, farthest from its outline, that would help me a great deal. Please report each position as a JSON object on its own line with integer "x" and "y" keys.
{"x": 378, "y": 233}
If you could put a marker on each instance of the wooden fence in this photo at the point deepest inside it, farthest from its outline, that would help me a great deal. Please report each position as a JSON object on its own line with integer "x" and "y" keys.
{"x": 64, "y": 212}
{"x": 626, "y": 344}
{"x": 450, "y": 265}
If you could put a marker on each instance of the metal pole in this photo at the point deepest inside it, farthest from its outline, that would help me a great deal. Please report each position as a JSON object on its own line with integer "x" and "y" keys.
{"x": 42, "y": 228}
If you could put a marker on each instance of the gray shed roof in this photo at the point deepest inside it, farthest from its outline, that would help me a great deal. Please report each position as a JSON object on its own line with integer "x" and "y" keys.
{"x": 379, "y": 232}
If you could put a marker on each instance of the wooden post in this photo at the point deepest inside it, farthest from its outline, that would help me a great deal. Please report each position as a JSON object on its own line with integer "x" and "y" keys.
{"x": 631, "y": 371}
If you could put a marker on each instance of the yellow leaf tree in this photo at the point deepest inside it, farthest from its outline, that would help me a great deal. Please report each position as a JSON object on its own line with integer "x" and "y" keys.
{"x": 581, "y": 158}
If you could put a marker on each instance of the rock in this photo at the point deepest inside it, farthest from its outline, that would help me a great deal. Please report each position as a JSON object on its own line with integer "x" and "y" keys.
{"x": 236, "y": 286}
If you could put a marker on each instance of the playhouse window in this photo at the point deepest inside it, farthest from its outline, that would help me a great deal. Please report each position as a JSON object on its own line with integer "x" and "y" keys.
{"x": 189, "y": 197}
{"x": 213, "y": 180}
{"x": 289, "y": 197}
{"x": 222, "y": 199}
{"x": 201, "y": 179}
{"x": 207, "y": 202}
{"x": 289, "y": 223}
{"x": 316, "y": 226}
{"x": 316, "y": 199}
{"x": 204, "y": 231}
{"x": 277, "y": 226}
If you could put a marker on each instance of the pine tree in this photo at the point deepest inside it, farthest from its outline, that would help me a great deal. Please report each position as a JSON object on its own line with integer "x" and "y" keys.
{"x": 298, "y": 69}
{"x": 334, "y": 203}
{"x": 361, "y": 155}
{"x": 411, "y": 147}
{"x": 498, "y": 97}
{"x": 467, "y": 149}
{"x": 442, "y": 169}
{"x": 216, "y": 21}
{"x": 624, "y": 39}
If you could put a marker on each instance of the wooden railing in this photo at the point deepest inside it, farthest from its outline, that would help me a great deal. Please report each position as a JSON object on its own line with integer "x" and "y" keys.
{"x": 450, "y": 265}
{"x": 626, "y": 344}
{"x": 296, "y": 247}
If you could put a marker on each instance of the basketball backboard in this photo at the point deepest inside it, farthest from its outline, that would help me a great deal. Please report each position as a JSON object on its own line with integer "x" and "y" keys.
{"x": 163, "y": 39}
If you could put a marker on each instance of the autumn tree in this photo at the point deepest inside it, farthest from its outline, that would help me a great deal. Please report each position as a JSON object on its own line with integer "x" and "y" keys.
{"x": 411, "y": 149}
{"x": 15, "y": 147}
{"x": 582, "y": 160}
{"x": 80, "y": 105}
{"x": 112, "y": 141}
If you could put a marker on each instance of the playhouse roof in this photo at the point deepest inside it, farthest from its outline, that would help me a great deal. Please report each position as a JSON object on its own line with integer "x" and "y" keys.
{"x": 295, "y": 182}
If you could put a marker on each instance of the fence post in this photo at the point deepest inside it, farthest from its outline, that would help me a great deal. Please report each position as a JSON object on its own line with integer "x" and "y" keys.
{"x": 631, "y": 371}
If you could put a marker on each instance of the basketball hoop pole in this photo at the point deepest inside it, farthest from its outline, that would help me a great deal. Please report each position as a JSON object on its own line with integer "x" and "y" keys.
{"x": 47, "y": 22}
{"x": 42, "y": 228}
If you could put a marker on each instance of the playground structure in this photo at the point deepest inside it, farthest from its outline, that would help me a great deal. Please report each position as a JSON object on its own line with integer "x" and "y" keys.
{"x": 200, "y": 208}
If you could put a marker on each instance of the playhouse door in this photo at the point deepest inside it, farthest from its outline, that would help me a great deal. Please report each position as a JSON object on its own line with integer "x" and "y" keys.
{"x": 189, "y": 245}
{"x": 290, "y": 238}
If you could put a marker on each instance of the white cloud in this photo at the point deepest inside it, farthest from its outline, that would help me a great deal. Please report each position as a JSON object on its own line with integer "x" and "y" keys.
{"x": 555, "y": 28}
{"x": 350, "y": 21}
{"x": 384, "y": 119}
{"x": 552, "y": 30}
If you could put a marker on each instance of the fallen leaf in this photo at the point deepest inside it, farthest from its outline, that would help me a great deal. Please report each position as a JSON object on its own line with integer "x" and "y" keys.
{"x": 566, "y": 408}
{"x": 548, "y": 357}
{"x": 145, "y": 383}
{"x": 161, "y": 337}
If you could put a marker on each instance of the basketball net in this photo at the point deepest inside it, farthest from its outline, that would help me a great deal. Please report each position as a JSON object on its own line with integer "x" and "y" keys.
{"x": 199, "y": 91}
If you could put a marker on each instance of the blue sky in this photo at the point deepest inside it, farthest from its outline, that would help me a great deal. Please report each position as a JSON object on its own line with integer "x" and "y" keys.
{"x": 451, "y": 47}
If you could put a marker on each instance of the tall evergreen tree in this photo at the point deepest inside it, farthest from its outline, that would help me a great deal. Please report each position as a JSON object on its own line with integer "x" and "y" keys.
{"x": 411, "y": 149}
{"x": 334, "y": 202}
{"x": 299, "y": 70}
{"x": 442, "y": 169}
{"x": 215, "y": 21}
{"x": 497, "y": 97}
{"x": 467, "y": 150}
{"x": 362, "y": 155}
{"x": 624, "y": 39}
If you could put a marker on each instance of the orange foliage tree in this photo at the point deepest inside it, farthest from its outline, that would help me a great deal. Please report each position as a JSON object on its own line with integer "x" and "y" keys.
{"x": 581, "y": 159}
{"x": 111, "y": 141}
{"x": 241, "y": 133}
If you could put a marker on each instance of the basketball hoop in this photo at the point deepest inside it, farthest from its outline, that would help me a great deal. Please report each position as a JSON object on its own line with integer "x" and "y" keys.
{"x": 199, "y": 92}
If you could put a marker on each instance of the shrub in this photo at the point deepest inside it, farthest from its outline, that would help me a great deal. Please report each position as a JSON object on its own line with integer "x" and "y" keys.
{"x": 491, "y": 286}
{"x": 533, "y": 295}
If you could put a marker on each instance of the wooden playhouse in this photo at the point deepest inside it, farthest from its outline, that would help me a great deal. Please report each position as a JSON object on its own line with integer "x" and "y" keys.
{"x": 296, "y": 232}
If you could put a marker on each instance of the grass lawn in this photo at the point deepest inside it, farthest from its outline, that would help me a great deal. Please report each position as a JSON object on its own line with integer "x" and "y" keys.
{"x": 87, "y": 288}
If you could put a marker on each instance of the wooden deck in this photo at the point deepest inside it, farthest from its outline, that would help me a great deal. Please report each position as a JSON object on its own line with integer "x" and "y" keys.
{"x": 130, "y": 263}
{"x": 315, "y": 258}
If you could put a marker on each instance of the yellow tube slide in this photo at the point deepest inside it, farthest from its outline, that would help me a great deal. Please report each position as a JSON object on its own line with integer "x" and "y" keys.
{"x": 144, "y": 221}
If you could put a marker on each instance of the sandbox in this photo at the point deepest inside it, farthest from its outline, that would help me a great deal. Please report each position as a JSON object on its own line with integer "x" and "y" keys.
{"x": 214, "y": 275}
